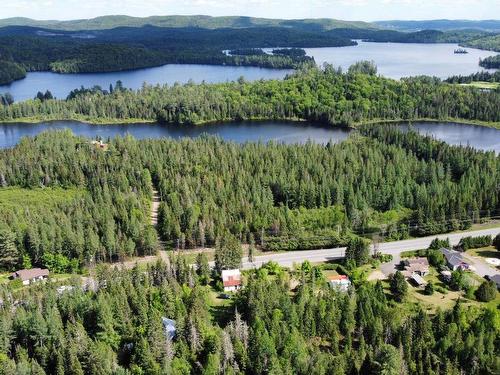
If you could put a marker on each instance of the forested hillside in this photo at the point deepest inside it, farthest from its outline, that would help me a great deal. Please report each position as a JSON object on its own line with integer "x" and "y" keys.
{"x": 10, "y": 71}
{"x": 327, "y": 96}
{"x": 409, "y": 25}
{"x": 312, "y": 330}
{"x": 488, "y": 42}
{"x": 117, "y": 43}
{"x": 132, "y": 48}
{"x": 199, "y": 21}
{"x": 287, "y": 197}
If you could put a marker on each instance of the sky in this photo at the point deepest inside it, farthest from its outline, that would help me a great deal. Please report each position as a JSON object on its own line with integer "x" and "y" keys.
{"x": 363, "y": 10}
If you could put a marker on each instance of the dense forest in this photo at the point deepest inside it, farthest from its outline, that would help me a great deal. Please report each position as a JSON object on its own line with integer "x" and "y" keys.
{"x": 117, "y": 328}
{"x": 322, "y": 95}
{"x": 483, "y": 76}
{"x": 492, "y": 62}
{"x": 10, "y": 71}
{"x": 285, "y": 196}
{"x": 133, "y": 43}
{"x": 177, "y": 21}
{"x": 491, "y": 42}
{"x": 131, "y": 48}
{"x": 34, "y": 54}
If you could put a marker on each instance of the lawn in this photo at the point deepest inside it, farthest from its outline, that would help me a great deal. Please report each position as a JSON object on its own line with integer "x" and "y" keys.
{"x": 329, "y": 273}
{"x": 19, "y": 198}
{"x": 482, "y": 85}
{"x": 221, "y": 309}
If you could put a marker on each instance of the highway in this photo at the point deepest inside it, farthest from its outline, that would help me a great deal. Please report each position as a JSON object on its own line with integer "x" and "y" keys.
{"x": 287, "y": 259}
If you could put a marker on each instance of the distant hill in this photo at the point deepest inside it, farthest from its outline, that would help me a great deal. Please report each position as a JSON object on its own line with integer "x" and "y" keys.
{"x": 206, "y": 22}
{"x": 443, "y": 25}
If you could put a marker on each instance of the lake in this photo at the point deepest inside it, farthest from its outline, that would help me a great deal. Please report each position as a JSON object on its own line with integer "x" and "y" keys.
{"x": 480, "y": 137}
{"x": 394, "y": 60}
{"x": 61, "y": 84}
{"x": 247, "y": 131}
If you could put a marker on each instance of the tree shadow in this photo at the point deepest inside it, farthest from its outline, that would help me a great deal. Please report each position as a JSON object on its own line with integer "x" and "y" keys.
{"x": 222, "y": 315}
{"x": 488, "y": 254}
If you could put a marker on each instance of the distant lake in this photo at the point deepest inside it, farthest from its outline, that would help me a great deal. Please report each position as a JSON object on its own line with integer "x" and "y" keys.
{"x": 480, "y": 137}
{"x": 394, "y": 60}
{"x": 61, "y": 84}
{"x": 251, "y": 131}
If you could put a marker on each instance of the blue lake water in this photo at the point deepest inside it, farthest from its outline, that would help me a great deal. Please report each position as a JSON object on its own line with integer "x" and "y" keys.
{"x": 61, "y": 84}
{"x": 246, "y": 131}
{"x": 279, "y": 131}
{"x": 394, "y": 60}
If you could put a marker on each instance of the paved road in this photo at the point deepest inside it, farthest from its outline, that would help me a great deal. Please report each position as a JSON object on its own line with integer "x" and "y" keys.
{"x": 287, "y": 259}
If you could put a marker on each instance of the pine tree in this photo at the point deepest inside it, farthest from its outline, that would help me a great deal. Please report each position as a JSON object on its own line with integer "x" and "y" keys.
{"x": 9, "y": 255}
{"x": 487, "y": 291}
{"x": 228, "y": 253}
{"x": 203, "y": 268}
{"x": 399, "y": 286}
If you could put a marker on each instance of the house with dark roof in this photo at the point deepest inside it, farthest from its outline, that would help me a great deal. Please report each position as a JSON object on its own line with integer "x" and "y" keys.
{"x": 420, "y": 266}
{"x": 30, "y": 276}
{"x": 455, "y": 260}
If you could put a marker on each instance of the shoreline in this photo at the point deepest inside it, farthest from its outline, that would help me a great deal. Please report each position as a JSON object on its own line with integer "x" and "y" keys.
{"x": 139, "y": 121}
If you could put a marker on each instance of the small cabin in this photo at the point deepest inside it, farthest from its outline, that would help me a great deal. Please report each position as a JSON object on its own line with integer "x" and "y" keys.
{"x": 339, "y": 282}
{"x": 231, "y": 279}
{"x": 418, "y": 280}
{"x": 31, "y": 275}
{"x": 100, "y": 144}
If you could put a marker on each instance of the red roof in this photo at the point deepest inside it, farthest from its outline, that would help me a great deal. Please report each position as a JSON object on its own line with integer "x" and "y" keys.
{"x": 232, "y": 283}
{"x": 338, "y": 277}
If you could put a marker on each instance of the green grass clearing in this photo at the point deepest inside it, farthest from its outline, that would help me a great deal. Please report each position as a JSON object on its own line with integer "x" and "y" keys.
{"x": 482, "y": 85}
{"x": 18, "y": 198}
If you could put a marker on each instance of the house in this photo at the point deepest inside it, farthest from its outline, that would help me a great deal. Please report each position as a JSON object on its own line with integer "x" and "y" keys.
{"x": 339, "y": 282}
{"x": 419, "y": 266}
{"x": 231, "y": 279}
{"x": 418, "y": 280}
{"x": 169, "y": 327}
{"x": 100, "y": 144}
{"x": 30, "y": 276}
{"x": 455, "y": 260}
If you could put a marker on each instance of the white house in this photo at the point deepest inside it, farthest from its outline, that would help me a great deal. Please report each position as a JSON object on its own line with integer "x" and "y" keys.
{"x": 30, "y": 276}
{"x": 231, "y": 279}
{"x": 339, "y": 282}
